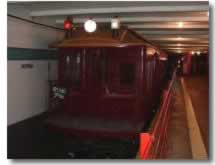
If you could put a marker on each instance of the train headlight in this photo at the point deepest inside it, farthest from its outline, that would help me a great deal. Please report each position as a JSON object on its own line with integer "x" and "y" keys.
{"x": 90, "y": 26}
{"x": 115, "y": 23}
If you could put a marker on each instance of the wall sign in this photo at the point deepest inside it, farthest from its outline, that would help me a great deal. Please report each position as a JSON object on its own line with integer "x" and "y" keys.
{"x": 27, "y": 66}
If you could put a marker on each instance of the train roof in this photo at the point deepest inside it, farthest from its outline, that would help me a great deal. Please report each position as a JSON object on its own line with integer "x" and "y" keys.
{"x": 102, "y": 37}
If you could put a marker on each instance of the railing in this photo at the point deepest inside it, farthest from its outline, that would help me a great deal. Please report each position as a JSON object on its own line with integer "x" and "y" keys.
{"x": 153, "y": 144}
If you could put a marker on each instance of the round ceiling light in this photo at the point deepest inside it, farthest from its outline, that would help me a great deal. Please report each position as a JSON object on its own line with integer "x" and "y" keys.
{"x": 90, "y": 26}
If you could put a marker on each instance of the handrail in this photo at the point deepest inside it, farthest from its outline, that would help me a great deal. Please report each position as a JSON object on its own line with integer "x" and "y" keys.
{"x": 152, "y": 143}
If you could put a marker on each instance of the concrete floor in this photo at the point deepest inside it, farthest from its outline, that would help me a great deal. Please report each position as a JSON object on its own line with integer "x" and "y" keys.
{"x": 178, "y": 142}
{"x": 31, "y": 139}
{"x": 198, "y": 89}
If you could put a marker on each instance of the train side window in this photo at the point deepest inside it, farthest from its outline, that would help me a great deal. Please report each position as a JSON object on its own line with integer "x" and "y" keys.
{"x": 127, "y": 74}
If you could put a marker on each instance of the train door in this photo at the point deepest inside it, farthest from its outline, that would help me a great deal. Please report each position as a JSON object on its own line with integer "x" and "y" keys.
{"x": 121, "y": 87}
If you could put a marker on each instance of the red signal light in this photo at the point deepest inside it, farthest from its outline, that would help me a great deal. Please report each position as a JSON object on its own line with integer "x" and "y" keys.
{"x": 67, "y": 24}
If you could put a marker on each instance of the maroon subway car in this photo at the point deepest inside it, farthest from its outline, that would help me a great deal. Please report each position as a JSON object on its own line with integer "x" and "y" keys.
{"x": 108, "y": 85}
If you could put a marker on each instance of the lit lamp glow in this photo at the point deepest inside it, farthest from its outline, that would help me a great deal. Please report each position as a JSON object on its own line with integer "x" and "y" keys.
{"x": 150, "y": 51}
{"x": 67, "y": 24}
{"x": 163, "y": 58}
{"x": 90, "y": 26}
{"x": 198, "y": 53}
{"x": 68, "y": 27}
{"x": 180, "y": 24}
{"x": 115, "y": 23}
{"x": 179, "y": 38}
{"x": 192, "y": 52}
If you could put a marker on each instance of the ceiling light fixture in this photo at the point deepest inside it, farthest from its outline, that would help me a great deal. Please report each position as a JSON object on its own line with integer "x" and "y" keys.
{"x": 198, "y": 53}
{"x": 179, "y": 38}
{"x": 163, "y": 58}
{"x": 180, "y": 24}
{"x": 90, "y": 26}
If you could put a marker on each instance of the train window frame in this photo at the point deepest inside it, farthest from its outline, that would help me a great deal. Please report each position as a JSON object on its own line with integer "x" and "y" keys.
{"x": 114, "y": 87}
{"x": 96, "y": 65}
{"x": 73, "y": 69}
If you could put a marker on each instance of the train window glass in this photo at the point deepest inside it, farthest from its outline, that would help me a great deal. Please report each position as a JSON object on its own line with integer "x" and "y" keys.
{"x": 149, "y": 74}
{"x": 127, "y": 74}
{"x": 67, "y": 69}
{"x": 102, "y": 70}
{"x": 97, "y": 65}
{"x": 73, "y": 70}
{"x": 93, "y": 70}
{"x": 76, "y": 70}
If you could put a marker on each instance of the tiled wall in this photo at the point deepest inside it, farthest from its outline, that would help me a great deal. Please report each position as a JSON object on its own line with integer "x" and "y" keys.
{"x": 28, "y": 86}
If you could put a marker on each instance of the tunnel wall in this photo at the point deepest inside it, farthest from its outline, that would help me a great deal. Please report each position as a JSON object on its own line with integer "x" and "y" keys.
{"x": 30, "y": 65}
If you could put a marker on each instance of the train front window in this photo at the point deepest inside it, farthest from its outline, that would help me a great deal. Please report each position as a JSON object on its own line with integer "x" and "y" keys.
{"x": 127, "y": 74}
{"x": 96, "y": 65}
{"x": 73, "y": 70}
{"x": 102, "y": 68}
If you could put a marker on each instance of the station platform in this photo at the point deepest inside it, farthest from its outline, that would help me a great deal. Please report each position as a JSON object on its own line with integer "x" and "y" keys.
{"x": 198, "y": 89}
{"x": 189, "y": 122}
{"x": 178, "y": 132}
